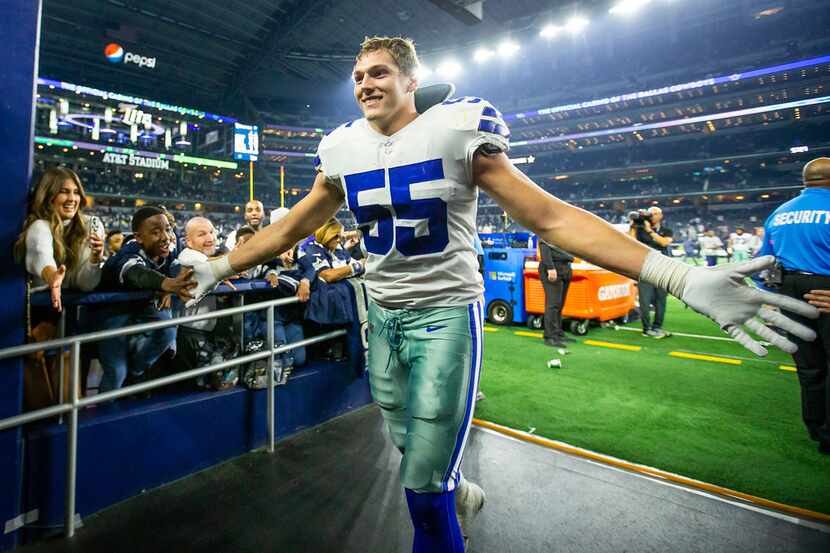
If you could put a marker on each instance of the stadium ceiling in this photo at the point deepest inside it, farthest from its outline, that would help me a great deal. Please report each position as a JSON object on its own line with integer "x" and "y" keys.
{"x": 219, "y": 54}
{"x": 254, "y": 57}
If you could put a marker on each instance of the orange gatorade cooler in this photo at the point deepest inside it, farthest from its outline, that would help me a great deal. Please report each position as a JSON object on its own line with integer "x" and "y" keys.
{"x": 594, "y": 295}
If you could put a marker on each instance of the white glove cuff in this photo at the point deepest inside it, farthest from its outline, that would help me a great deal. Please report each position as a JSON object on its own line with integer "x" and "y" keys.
{"x": 665, "y": 273}
{"x": 221, "y": 268}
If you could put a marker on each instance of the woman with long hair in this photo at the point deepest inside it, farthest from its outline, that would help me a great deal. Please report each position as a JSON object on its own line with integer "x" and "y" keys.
{"x": 56, "y": 243}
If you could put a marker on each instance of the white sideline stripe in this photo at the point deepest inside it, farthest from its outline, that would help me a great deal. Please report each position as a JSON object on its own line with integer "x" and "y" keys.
{"x": 755, "y": 359}
{"x": 775, "y": 514}
{"x": 703, "y": 336}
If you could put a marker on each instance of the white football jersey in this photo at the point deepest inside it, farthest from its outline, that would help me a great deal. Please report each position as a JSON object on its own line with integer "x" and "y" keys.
{"x": 741, "y": 242}
{"x": 413, "y": 197}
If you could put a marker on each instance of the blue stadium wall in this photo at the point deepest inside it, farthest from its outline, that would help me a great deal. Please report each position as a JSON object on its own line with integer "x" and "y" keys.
{"x": 19, "y": 28}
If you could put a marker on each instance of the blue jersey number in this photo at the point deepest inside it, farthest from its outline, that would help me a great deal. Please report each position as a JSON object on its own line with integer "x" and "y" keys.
{"x": 433, "y": 210}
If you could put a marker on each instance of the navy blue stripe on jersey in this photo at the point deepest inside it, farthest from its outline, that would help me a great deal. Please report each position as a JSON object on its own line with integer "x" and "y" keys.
{"x": 317, "y": 162}
{"x": 349, "y": 124}
{"x": 488, "y": 125}
{"x": 490, "y": 111}
{"x": 468, "y": 99}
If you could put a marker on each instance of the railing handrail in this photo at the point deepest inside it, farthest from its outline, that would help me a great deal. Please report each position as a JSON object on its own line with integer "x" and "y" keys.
{"x": 35, "y": 347}
{"x": 54, "y": 410}
{"x": 76, "y": 403}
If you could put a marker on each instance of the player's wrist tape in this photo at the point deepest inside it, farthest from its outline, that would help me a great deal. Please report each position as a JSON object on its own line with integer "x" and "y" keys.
{"x": 665, "y": 273}
{"x": 221, "y": 267}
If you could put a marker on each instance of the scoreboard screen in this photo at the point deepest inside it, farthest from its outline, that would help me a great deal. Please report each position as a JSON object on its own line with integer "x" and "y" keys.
{"x": 245, "y": 142}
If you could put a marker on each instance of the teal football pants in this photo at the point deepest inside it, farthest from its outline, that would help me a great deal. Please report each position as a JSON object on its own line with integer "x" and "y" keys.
{"x": 424, "y": 367}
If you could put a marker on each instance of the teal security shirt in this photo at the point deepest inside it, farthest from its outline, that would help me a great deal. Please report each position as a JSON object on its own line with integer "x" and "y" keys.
{"x": 798, "y": 233}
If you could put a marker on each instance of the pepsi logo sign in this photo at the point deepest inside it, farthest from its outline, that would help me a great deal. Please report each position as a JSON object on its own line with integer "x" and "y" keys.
{"x": 115, "y": 54}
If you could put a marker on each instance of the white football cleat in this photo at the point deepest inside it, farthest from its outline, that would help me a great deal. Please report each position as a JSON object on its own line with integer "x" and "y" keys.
{"x": 469, "y": 500}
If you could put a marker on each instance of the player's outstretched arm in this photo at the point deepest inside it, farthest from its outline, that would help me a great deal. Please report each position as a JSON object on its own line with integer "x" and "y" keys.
{"x": 320, "y": 205}
{"x": 557, "y": 222}
{"x": 721, "y": 294}
{"x": 304, "y": 218}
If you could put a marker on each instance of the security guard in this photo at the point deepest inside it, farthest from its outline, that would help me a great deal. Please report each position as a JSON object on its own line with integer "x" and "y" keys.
{"x": 798, "y": 235}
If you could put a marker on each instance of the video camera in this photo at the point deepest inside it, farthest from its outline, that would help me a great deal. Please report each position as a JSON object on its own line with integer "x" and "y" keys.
{"x": 639, "y": 217}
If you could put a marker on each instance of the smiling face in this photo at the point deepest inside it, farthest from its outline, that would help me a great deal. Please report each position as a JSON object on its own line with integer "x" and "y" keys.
{"x": 67, "y": 200}
{"x": 201, "y": 236}
{"x": 153, "y": 235}
{"x": 383, "y": 92}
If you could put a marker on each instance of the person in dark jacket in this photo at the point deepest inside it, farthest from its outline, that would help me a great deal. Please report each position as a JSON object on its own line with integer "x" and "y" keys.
{"x": 555, "y": 273}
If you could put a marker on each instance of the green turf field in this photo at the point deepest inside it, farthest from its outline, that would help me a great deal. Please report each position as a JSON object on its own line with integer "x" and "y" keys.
{"x": 737, "y": 426}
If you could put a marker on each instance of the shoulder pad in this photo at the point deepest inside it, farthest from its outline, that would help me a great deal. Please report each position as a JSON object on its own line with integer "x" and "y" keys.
{"x": 331, "y": 140}
{"x": 472, "y": 113}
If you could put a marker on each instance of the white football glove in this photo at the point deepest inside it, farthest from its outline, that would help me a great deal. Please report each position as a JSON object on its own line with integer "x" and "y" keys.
{"x": 208, "y": 275}
{"x": 722, "y": 294}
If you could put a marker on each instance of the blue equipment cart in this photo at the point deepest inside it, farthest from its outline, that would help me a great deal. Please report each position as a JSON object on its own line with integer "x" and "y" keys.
{"x": 504, "y": 284}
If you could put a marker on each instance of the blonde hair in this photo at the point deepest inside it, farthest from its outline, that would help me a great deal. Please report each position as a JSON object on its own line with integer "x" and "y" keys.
{"x": 327, "y": 232}
{"x": 67, "y": 241}
{"x": 400, "y": 48}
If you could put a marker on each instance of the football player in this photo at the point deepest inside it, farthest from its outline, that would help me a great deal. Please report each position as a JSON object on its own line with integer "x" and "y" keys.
{"x": 412, "y": 181}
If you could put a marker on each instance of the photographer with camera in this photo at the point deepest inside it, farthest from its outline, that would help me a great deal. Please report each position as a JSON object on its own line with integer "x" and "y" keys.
{"x": 646, "y": 227}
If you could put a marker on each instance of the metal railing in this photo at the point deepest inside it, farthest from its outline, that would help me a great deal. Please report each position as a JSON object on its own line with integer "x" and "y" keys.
{"x": 76, "y": 403}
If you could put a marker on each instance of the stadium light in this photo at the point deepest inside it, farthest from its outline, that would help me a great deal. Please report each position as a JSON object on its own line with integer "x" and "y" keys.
{"x": 550, "y": 31}
{"x": 522, "y": 160}
{"x": 627, "y": 7}
{"x": 449, "y": 68}
{"x": 508, "y": 48}
{"x": 576, "y": 24}
{"x": 423, "y": 72}
{"x": 483, "y": 54}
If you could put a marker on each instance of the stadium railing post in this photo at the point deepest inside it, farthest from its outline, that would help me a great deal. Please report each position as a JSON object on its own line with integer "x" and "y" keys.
{"x": 271, "y": 383}
{"x": 72, "y": 439}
